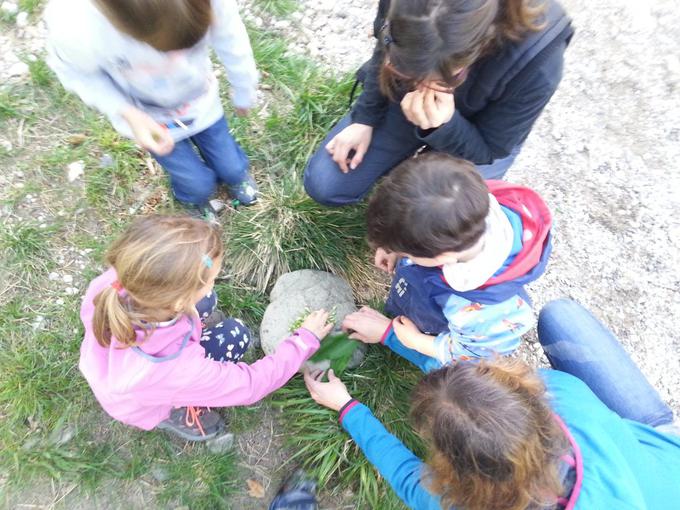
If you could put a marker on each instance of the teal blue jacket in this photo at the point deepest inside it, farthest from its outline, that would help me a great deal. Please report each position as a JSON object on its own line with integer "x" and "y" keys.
{"x": 623, "y": 465}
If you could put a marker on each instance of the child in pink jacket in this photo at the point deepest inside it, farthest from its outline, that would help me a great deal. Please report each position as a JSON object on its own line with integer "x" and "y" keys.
{"x": 155, "y": 353}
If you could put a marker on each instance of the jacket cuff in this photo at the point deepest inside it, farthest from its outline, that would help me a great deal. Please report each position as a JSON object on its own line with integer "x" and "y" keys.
{"x": 307, "y": 337}
{"x": 346, "y": 408}
{"x": 386, "y": 333}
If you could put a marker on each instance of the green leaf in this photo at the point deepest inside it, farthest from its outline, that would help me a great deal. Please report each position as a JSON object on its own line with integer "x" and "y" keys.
{"x": 338, "y": 349}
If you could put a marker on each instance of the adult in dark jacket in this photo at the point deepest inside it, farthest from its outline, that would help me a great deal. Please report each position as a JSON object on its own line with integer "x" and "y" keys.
{"x": 466, "y": 77}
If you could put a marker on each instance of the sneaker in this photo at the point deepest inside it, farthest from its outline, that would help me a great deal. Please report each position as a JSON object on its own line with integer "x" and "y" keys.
{"x": 193, "y": 423}
{"x": 204, "y": 212}
{"x": 298, "y": 492}
{"x": 243, "y": 193}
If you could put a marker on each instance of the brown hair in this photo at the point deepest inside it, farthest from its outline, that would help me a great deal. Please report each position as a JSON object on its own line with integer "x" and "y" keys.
{"x": 427, "y": 206}
{"x": 160, "y": 265}
{"x": 164, "y": 24}
{"x": 426, "y": 37}
{"x": 493, "y": 438}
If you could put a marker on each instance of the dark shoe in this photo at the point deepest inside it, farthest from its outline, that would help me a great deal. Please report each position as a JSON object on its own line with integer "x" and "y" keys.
{"x": 193, "y": 423}
{"x": 245, "y": 192}
{"x": 204, "y": 212}
{"x": 298, "y": 492}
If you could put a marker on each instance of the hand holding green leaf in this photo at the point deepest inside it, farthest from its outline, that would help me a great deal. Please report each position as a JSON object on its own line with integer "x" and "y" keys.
{"x": 317, "y": 323}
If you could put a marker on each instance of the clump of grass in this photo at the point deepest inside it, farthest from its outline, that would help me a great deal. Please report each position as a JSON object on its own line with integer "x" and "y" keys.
{"x": 30, "y": 6}
{"x": 287, "y": 231}
{"x": 25, "y": 243}
{"x": 41, "y": 75}
{"x": 8, "y": 105}
{"x": 383, "y": 383}
{"x": 212, "y": 479}
{"x": 245, "y": 303}
{"x": 277, "y": 8}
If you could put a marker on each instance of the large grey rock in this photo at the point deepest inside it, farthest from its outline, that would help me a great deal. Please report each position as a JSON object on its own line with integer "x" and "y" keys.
{"x": 301, "y": 291}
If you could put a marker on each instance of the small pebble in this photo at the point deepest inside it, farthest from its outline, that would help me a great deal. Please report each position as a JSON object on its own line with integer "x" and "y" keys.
{"x": 68, "y": 278}
{"x": 22, "y": 19}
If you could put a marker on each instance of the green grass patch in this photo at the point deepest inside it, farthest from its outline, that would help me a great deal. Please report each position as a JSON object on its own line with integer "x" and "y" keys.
{"x": 9, "y": 107}
{"x": 25, "y": 243}
{"x": 41, "y": 74}
{"x": 30, "y": 6}
{"x": 383, "y": 383}
{"x": 277, "y": 8}
{"x": 287, "y": 231}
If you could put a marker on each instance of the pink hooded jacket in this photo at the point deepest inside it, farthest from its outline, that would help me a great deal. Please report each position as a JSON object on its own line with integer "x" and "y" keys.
{"x": 140, "y": 385}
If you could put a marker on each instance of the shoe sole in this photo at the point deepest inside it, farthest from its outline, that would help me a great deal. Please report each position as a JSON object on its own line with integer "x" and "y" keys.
{"x": 189, "y": 437}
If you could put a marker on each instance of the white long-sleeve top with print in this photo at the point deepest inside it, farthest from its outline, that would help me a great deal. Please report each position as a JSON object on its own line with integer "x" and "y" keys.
{"x": 110, "y": 70}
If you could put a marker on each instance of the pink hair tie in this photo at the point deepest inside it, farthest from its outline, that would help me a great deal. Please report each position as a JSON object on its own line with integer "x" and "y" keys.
{"x": 117, "y": 285}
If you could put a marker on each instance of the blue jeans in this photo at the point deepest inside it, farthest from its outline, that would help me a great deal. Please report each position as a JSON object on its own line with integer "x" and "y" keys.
{"x": 196, "y": 165}
{"x": 392, "y": 142}
{"x": 577, "y": 343}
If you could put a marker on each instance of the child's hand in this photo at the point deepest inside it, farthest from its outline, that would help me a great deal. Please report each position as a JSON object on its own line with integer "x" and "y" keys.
{"x": 368, "y": 325}
{"x": 385, "y": 260}
{"x": 242, "y": 112}
{"x": 354, "y": 138}
{"x": 332, "y": 394}
{"x": 148, "y": 133}
{"x": 407, "y": 332}
{"x": 316, "y": 323}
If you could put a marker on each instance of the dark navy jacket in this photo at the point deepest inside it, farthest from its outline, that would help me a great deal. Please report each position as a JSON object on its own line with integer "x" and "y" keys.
{"x": 500, "y": 100}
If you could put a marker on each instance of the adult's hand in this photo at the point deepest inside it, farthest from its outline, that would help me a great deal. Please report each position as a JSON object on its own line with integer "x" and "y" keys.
{"x": 385, "y": 260}
{"x": 332, "y": 394}
{"x": 428, "y": 108}
{"x": 367, "y": 325}
{"x": 148, "y": 133}
{"x": 355, "y": 137}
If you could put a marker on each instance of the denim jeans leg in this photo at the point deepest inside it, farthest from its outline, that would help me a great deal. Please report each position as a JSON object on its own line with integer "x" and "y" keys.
{"x": 191, "y": 180}
{"x": 392, "y": 142}
{"x": 577, "y": 343}
{"x": 222, "y": 153}
{"x": 499, "y": 167}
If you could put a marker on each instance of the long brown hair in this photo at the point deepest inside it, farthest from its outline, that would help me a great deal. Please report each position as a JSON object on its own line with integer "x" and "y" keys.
{"x": 423, "y": 38}
{"x": 428, "y": 205}
{"x": 164, "y": 24}
{"x": 494, "y": 440}
{"x": 160, "y": 265}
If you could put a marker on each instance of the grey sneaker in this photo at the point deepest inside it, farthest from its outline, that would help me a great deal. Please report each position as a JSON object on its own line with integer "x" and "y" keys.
{"x": 245, "y": 192}
{"x": 204, "y": 212}
{"x": 193, "y": 423}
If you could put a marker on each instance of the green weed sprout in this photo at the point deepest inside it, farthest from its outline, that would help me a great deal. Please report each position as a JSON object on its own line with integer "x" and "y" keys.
{"x": 337, "y": 348}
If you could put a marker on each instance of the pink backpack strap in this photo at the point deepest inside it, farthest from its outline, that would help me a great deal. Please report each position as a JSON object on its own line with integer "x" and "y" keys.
{"x": 577, "y": 460}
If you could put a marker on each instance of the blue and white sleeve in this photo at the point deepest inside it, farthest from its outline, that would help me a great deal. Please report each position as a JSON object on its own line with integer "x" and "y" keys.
{"x": 481, "y": 330}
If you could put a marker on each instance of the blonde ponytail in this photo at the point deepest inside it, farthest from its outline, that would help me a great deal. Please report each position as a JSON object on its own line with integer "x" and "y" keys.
{"x": 112, "y": 319}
